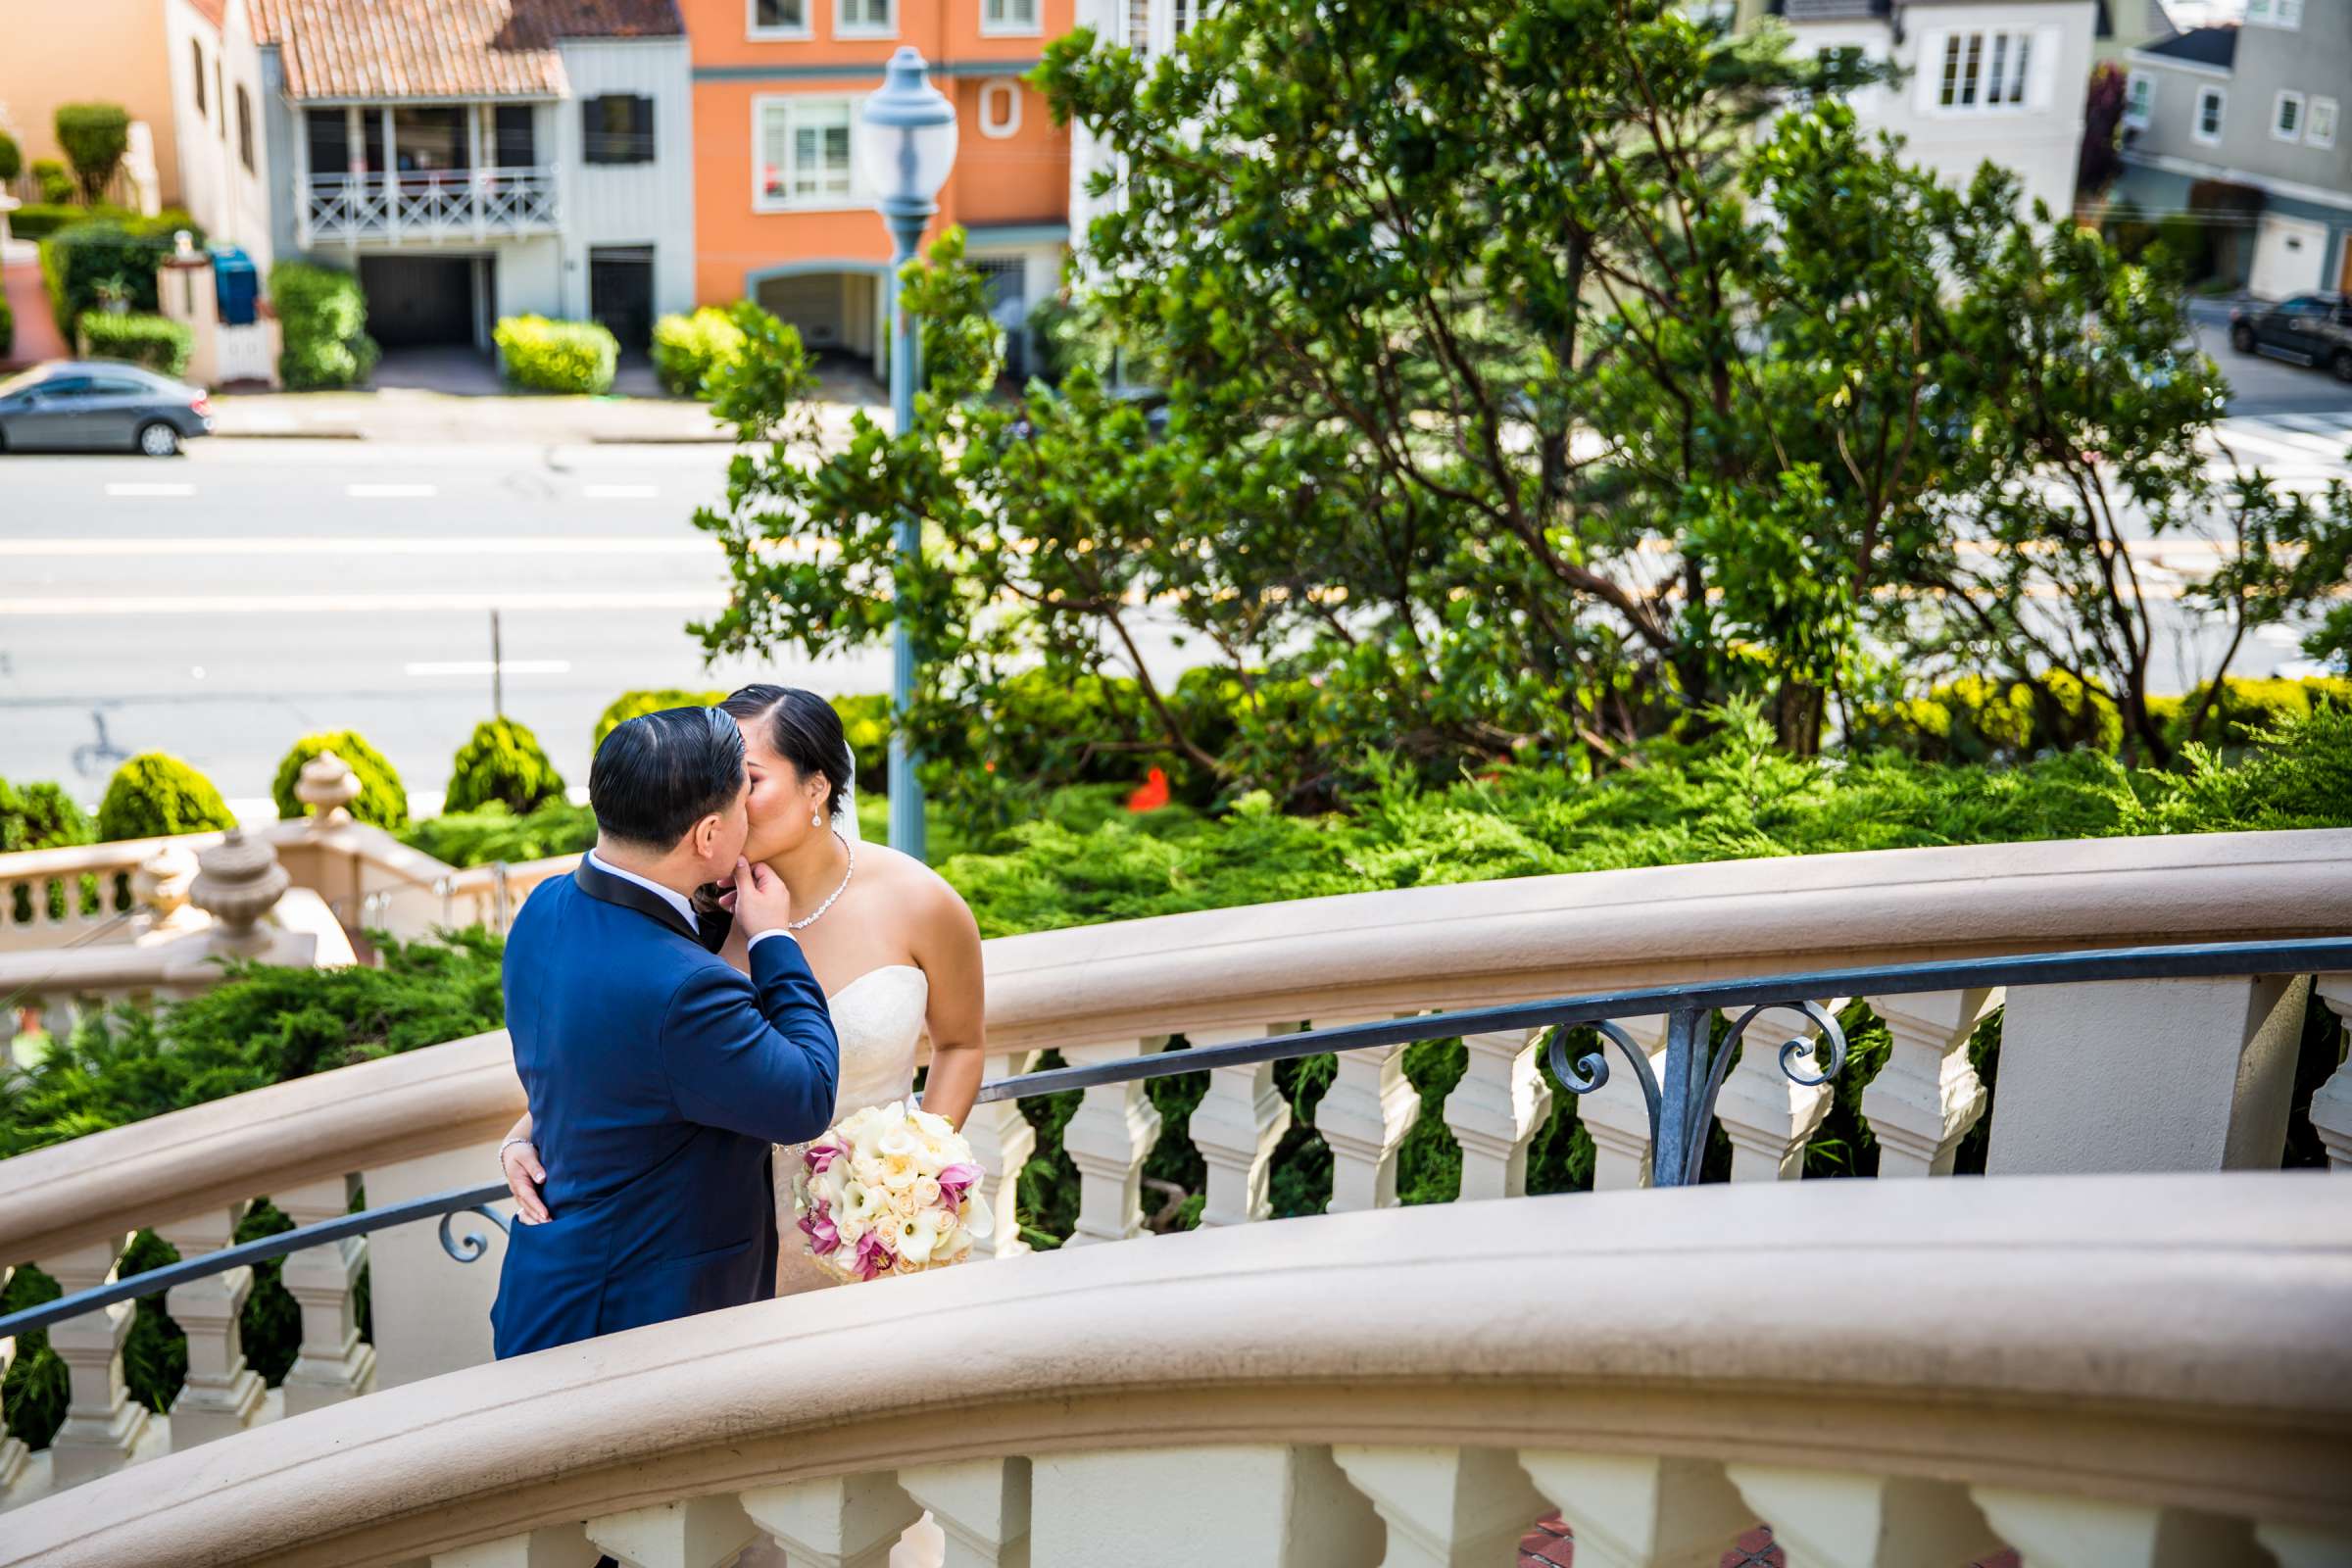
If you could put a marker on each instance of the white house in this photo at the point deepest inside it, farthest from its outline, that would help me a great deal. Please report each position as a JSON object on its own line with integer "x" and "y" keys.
{"x": 475, "y": 159}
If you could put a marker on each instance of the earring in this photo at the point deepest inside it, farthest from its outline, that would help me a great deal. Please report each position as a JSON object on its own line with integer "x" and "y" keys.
{"x": 814, "y": 818}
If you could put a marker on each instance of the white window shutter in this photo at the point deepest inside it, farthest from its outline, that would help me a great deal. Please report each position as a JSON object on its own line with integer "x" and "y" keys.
{"x": 1928, "y": 77}
{"x": 2047, "y": 41}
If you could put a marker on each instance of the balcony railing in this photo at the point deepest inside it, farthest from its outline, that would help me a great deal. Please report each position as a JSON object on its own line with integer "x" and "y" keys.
{"x": 443, "y": 204}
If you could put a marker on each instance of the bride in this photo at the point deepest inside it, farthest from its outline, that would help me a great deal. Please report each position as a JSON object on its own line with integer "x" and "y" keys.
{"x": 894, "y": 948}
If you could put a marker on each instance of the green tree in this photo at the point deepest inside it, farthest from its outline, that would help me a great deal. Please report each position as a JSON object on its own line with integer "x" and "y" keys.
{"x": 381, "y": 800}
{"x": 501, "y": 762}
{"x": 94, "y": 137}
{"x": 156, "y": 794}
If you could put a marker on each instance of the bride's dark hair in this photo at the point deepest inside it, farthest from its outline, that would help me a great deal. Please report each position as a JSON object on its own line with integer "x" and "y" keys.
{"x": 804, "y": 731}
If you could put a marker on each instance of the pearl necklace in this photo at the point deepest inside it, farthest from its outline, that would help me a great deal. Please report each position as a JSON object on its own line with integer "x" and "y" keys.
{"x": 847, "y": 871}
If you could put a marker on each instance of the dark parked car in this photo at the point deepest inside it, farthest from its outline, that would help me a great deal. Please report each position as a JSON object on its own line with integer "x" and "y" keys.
{"x": 100, "y": 405}
{"x": 2309, "y": 330}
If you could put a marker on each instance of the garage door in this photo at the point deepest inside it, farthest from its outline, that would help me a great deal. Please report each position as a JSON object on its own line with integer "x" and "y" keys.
{"x": 419, "y": 301}
{"x": 811, "y": 303}
{"x": 2290, "y": 256}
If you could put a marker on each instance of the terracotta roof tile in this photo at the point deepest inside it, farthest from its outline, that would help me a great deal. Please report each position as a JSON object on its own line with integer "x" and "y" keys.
{"x": 391, "y": 49}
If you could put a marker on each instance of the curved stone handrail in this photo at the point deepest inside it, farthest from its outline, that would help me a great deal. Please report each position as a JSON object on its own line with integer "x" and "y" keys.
{"x": 2168, "y": 1342}
{"x": 1355, "y": 955}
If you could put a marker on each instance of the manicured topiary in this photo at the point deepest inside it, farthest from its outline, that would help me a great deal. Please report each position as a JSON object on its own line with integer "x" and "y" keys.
{"x": 156, "y": 794}
{"x": 55, "y": 182}
{"x": 632, "y": 704}
{"x": 40, "y": 817}
{"x": 501, "y": 762}
{"x": 94, "y": 136}
{"x": 381, "y": 802}
{"x": 686, "y": 348}
{"x": 11, "y": 158}
{"x": 322, "y": 322}
{"x": 545, "y": 356}
{"x": 157, "y": 342}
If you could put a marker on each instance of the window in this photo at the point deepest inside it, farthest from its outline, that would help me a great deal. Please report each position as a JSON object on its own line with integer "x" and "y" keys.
{"x": 221, "y": 94}
{"x": 2275, "y": 13}
{"x": 865, "y": 18}
{"x": 803, "y": 156}
{"x": 245, "y": 128}
{"x": 1008, "y": 17}
{"x": 1985, "y": 69}
{"x": 779, "y": 18}
{"x": 2139, "y": 100}
{"x": 2286, "y": 116}
{"x": 617, "y": 128}
{"x": 2321, "y": 130}
{"x": 2210, "y": 102}
{"x": 513, "y": 143}
{"x": 1139, "y": 26}
{"x": 1000, "y": 108}
{"x": 196, "y": 48}
{"x": 330, "y": 139}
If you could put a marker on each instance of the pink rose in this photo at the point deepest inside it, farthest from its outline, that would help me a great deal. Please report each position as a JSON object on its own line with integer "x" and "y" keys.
{"x": 819, "y": 1156}
{"x": 818, "y": 1225}
{"x": 957, "y": 1179}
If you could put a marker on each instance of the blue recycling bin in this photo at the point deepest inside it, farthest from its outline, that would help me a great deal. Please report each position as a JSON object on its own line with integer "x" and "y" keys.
{"x": 236, "y": 285}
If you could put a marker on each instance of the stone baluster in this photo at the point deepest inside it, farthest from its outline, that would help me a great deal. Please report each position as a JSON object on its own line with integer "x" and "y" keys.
{"x": 12, "y": 1451}
{"x": 222, "y": 1394}
{"x": 1108, "y": 1138}
{"x": 1236, "y": 1505}
{"x": 1636, "y": 1512}
{"x": 1922, "y": 1103}
{"x": 838, "y": 1522}
{"x": 162, "y": 884}
{"x": 691, "y": 1533}
{"x": 1616, "y": 1115}
{"x": 981, "y": 1507}
{"x": 1445, "y": 1507}
{"x": 327, "y": 785}
{"x": 1765, "y": 1113}
{"x": 1495, "y": 1110}
{"x": 238, "y": 881}
{"x": 2051, "y": 1531}
{"x": 1364, "y": 1116}
{"x": 1848, "y": 1519}
{"x": 103, "y": 1425}
{"x": 2332, "y": 1101}
{"x": 2186, "y": 1075}
{"x": 1236, "y": 1126}
{"x": 1002, "y": 1141}
{"x": 334, "y": 1363}
{"x": 555, "y": 1546}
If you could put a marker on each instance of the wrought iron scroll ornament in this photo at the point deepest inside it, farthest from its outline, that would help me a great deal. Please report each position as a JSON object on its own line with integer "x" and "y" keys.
{"x": 473, "y": 1244}
{"x": 1681, "y": 1110}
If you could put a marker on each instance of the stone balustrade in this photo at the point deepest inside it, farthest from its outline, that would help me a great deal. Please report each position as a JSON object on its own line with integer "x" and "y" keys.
{"x": 2099, "y": 1372}
{"x": 2180, "y": 1076}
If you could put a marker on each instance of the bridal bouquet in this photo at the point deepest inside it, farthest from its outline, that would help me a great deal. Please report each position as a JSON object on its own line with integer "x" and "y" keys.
{"x": 889, "y": 1189}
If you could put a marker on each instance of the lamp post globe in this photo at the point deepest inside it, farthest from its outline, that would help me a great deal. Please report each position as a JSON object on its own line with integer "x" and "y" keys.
{"x": 906, "y": 144}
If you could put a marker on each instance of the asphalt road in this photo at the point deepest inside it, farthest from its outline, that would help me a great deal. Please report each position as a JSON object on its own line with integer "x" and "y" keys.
{"x": 220, "y": 605}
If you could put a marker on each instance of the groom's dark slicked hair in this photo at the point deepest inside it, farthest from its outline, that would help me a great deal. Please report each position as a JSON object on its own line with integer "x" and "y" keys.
{"x": 659, "y": 774}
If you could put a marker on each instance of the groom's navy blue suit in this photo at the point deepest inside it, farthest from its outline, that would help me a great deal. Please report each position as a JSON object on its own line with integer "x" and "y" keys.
{"x": 658, "y": 1078}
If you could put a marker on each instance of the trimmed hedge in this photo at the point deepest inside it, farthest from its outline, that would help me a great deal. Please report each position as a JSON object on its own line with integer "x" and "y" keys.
{"x": 636, "y": 705}
{"x": 323, "y": 325}
{"x": 155, "y": 341}
{"x": 55, "y": 179}
{"x": 11, "y": 158}
{"x": 494, "y": 833}
{"x": 155, "y": 793}
{"x": 688, "y": 348}
{"x": 546, "y": 356}
{"x": 41, "y": 816}
{"x": 503, "y": 763}
{"x": 2249, "y": 708}
{"x": 381, "y": 800}
{"x": 40, "y": 219}
{"x": 79, "y": 256}
{"x": 94, "y": 138}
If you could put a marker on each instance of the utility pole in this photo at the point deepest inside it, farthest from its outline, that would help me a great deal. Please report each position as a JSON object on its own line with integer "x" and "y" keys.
{"x": 498, "y": 672}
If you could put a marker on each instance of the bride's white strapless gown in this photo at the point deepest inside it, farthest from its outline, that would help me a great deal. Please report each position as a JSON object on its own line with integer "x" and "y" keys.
{"x": 879, "y": 1019}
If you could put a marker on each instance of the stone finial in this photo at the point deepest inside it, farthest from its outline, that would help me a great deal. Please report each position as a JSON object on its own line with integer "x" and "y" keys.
{"x": 163, "y": 882}
{"x": 238, "y": 881}
{"x": 327, "y": 786}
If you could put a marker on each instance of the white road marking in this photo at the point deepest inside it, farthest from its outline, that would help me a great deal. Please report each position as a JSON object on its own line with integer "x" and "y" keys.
{"x": 389, "y": 492}
{"x": 136, "y": 488}
{"x": 620, "y": 492}
{"x": 355, "y": 603}
{"x": 297, "y": 546}
{"x": 483, "y": 666}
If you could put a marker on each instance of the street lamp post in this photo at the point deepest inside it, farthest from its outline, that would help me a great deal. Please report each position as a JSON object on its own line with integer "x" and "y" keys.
{"x": 908, "y": 138}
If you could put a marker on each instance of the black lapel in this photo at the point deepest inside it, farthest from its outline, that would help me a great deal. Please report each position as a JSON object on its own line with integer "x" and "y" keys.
{"x": 715, "y": 919}
{"x": 598, "y": 883}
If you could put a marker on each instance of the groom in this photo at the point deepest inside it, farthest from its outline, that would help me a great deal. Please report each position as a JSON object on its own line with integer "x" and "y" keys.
{"x": 657, "y": 1076}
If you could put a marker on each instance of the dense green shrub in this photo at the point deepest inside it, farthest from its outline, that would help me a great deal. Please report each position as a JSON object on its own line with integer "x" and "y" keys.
{"x": 40, "y": 219}
{"x": 11, "y": 158}
{"x": 636, "y": 705}
{"x": 78, "y": 259}
{"x": 2248, "y": 709}
{"x": 381, "y": 800}
{"x": 155, "y": 341}
{"x": 40, "y": 817}
{"x": 55, "y": 179}
{"x": 686, "y": 348}
{"x": 494, "y": 833}
{"x": 156, "y": 794}
{"x": 1975, "y": 718}
{"x": 866, "y": 725}
{"x": 322, "y": 322}
{"x": 503, "y": 763}
{"x": 94, "y": 137}
{"x": 546, "y": 356}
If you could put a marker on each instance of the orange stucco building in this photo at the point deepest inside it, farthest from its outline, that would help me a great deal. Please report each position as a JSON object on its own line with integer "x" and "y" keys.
{"x": 783, "y": 215}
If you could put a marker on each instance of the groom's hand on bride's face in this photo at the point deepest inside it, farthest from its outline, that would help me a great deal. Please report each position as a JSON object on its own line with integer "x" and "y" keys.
{"x": 759, "y": 900}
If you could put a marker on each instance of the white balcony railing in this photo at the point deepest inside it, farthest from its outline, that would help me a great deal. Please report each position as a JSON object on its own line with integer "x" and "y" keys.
{"x": 452, "y": 204}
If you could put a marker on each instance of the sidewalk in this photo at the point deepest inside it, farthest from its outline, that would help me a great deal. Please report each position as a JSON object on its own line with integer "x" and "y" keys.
{"x": 36, "y": 333}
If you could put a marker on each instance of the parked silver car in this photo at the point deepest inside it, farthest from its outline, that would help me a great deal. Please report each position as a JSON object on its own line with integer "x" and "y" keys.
{"x": 100, "y": 405}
